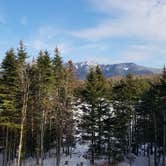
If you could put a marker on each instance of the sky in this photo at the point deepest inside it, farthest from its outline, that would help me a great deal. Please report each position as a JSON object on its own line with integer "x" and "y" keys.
{"x": 103, "y": 31}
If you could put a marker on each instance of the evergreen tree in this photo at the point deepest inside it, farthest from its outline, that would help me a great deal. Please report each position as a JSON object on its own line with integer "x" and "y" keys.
{"x": 126, "y": 95}
{"x": 63, "y": 101}
{"x": 162, "y": 107}
{"x": 33, "y": 115}
{"x": 69, "y": 98}
{"x": 92, "y": 120}
{"x": 58, "y": 92}
{"x": 23, "y": 94}
{"x": 45, "y": 86}
{"x": 9, "y": 116}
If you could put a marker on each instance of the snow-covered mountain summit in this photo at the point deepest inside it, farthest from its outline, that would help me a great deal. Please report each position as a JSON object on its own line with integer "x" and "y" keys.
{"x": 110, "y": 70}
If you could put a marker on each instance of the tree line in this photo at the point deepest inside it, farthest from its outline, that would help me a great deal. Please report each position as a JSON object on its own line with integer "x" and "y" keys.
{"x": 39, "y": 101}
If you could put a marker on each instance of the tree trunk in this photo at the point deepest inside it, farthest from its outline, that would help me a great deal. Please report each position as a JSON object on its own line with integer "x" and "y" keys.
{"x": 50, "y": 135}
{"x": 10, "y": 146}
{"x": 6, "y": 148}
{"x": 155, "y": 137}
{"x": 58, "y": 146}
{"x": 108, "y": 147}
{"x": 164, "y": 140}
{"x": 148, "y": 153}
{"x": 42, "y": 138}
{"x": 25, "y": 84}
{"x": 130, "y": 136}
{"x": 92, "y": 162}
{"x": 37, "y": 149}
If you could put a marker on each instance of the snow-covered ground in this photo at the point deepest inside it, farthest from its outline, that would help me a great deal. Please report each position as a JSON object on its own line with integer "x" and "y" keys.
{"x": 1, "y": 159}
{"x": 140, "y": 161}
{"x": 77, "y": 158}
{"x": 74, "y": 160}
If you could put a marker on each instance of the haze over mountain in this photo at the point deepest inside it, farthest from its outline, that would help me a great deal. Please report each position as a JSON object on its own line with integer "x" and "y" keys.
{"x": 110, "y": 70}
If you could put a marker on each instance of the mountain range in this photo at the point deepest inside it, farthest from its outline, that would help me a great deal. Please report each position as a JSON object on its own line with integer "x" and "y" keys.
{"x": 111, "y": 70}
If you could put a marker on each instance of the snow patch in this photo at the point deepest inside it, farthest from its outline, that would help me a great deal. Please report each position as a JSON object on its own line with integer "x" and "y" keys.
{"x": 125, "y": 68}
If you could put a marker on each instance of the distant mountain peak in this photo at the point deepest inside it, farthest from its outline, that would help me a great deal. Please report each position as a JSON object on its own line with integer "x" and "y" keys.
{"x": 110, "y": 70}
{"x": 88, "y": 63}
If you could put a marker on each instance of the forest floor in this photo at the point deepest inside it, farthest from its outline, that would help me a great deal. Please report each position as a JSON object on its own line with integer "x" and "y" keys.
{"x": 77, "y": 158}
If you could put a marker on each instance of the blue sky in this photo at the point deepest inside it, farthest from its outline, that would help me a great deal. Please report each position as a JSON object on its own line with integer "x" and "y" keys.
{"x": 104, "y": 31}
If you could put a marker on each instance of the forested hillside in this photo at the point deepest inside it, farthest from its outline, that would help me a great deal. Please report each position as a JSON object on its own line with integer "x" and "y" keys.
{"x": 49, "y": 116}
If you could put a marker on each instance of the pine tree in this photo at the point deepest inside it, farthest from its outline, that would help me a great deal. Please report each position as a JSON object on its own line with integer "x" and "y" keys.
{"x": 69, "y": 98}
{"x": 45, "y": 85}
{"x": 162, "y": 107}
{"x": 9, "y": 116}
{"x": 58, "y": 73}
{"x": 63, "y": 100}
{"x": 58, "y": 67}
{"x": 150, "y": 118}
{"x": 24, "y": 83}
{"x": 92, "y": 120}
{"x": 126, "y": 96}
{"x": 33, "y": 116}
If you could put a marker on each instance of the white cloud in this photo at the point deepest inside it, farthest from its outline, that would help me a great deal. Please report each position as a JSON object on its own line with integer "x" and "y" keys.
{"x": 39, "y": 44}
{"x": 101, "y": 31}
{"x": 41, "y": 38}
{"x": 137, "y": 19}
{"x": 46, "y": 38}
{"x": 145, "y": 54}
{"x": 145, "y": 19}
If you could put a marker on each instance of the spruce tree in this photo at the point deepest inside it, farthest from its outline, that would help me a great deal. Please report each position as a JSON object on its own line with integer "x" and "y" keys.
{"x": 58, "y": 91}
{"x": 45, "y": 86}
{"x": 69, "y": 100}
{"x": 162, "y": 107}
{"x": 92, "y": 120}
{"x": 127, "y": 94}
{"x": 23, "y": 94}
{"x": 63, "y": 102}
{"x": 9, "y": 116}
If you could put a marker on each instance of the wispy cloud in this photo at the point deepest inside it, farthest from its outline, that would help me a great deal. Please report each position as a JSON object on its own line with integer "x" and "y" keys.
{"x": 145, "y": 54}
{"x": 145, "y": 19}
{"x": 48, "y": 37}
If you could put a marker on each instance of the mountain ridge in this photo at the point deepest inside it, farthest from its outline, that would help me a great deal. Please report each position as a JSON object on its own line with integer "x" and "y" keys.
{"x": 111, "y": 70}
